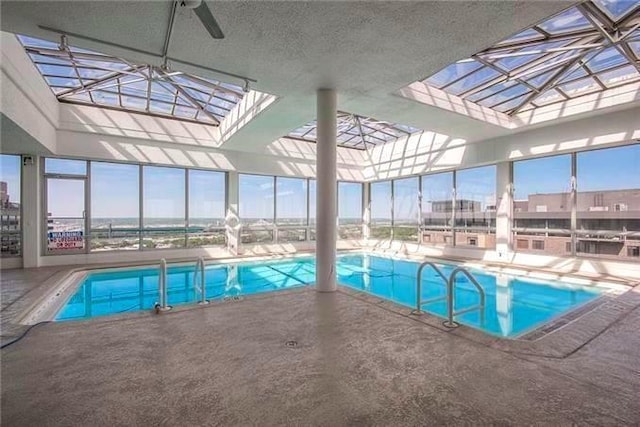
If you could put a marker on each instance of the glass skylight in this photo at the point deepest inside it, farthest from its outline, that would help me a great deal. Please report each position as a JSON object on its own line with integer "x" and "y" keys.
{"x": 81, "y": 76}
{"x": 356, "y": 131}
{"x": 588, "y": 48}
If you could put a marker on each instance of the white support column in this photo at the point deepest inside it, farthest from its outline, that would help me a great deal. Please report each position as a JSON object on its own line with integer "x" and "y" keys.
{"x": 326, "y": 193}
{"x": 504, "y": 210}
{"x": 32, "y": 232}
{"x": 232, "y": 219}
{"x": 366, "y": 212}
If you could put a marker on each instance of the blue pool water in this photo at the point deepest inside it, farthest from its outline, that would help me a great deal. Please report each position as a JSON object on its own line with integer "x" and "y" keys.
{"x": 513, "y": 305}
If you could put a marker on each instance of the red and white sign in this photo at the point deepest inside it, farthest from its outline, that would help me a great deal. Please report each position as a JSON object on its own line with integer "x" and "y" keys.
{"x": 61, "y": 240}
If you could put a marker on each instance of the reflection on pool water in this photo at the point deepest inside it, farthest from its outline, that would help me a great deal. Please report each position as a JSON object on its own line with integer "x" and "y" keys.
{"x": 514, "y": 305}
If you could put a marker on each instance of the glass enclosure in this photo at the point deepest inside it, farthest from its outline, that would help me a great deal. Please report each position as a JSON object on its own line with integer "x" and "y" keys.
{"x": 164, "y": 207}
{"x": 291, "y": 209}
{"x": 350, "y": 210}
{"x": 257, "y": 208}
{"x": 66, "y": 193}
{"x": 102, "y": 206}
{"x": 10, "y": 206}
{"x": 312, "y": 209}
{"x": 573, "y": 53}
{"x": 207, "y": 208}
{"x": 115, "y": 206}
{"x": 542, "y": 205}
{"x": 584, "y": 203}
{"x": 476, "y": 207}
{"x": 381, "y": 210}
{"x": 275, "y": 209}
{"x": 81, "y": 76}
{"x": 437, "y": 208}
{"x": 405, "y": 209}
{"x": 608, "y": 202}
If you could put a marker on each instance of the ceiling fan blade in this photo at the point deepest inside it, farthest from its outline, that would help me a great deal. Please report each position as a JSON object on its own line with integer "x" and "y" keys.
{"x": 208, "y": 20}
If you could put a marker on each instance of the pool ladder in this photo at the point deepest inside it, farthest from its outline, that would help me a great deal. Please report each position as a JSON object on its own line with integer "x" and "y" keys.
{"x": 450, "y": 283}
{"x": 203, "y": 284}
{"x": 419, "y": 301}
{"x": 162, "y": 305}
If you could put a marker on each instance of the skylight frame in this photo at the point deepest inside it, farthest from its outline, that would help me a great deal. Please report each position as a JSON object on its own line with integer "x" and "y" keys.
{"x": 119, "y": 84}
{"x": 356, "y": 131}
{"x": 552, "y": 54}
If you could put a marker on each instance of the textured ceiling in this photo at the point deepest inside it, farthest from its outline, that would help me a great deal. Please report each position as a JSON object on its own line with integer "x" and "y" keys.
{"x": 366, "y": 50}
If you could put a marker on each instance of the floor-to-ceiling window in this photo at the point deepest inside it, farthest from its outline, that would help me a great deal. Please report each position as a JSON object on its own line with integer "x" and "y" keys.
{"x": 380, "y": 208}
{"x": 65, "y": 183}
{"x": 312, "y": 209}
{"x": 542, "y": 203}
{"x": 207, "y": 208}
{"x": 291, "y": 209}
{"x": 125, "y": 206}
{"x": 608, "y": 202}
{"x": 10, "y": 207}
{"x": 437, "y": 208}
{"x": 476, "y": 206}
{"x": 256, "y": 208}
{"x": 115, "y": 206}
{"x": 349, "y": 210}
{"x": 405, "y": 209}
{"x": 164, "y": 207}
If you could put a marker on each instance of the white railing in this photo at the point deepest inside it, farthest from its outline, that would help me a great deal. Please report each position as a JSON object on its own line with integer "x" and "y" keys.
{"x": 162, "y": 305}
{"x": 199, "y": 271}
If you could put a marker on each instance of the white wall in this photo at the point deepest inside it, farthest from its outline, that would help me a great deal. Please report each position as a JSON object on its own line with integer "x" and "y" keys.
{"x": 283, "y": 157}
{"x": 620, "y": 97}
{"x": 430, "y": 152}
{"x": 26, "y": 99}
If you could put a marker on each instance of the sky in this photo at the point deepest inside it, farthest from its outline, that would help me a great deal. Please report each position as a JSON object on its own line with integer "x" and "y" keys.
{"x": 349, "y": 200}
{"x": 256, "y": 198}
{"x": 114, "y": 187}
{"x": 291, "y": 198}
{"x": 405, "y": 199}
{"x": 597, "y": 170}
{"x": 381, "y": 200}
{"x": 546, "y": 175}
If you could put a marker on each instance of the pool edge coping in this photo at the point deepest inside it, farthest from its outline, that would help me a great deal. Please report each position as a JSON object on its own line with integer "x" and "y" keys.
{"x": 599, "y": 315}
{"x": 539, "y": 346}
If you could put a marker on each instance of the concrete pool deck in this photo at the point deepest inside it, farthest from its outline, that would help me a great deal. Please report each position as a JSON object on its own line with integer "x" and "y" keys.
{"x": 355, "y": 363}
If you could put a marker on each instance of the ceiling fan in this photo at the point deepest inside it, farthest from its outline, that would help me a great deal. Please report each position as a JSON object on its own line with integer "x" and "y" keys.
{"x": 204, "y": 14}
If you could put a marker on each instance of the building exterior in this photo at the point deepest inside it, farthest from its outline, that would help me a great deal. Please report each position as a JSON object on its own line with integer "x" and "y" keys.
{"x": 475, "y": 223}
{"x": 9, "y": 223}
{"x": 608, "y": 223}
{"x": 4, "y": 195}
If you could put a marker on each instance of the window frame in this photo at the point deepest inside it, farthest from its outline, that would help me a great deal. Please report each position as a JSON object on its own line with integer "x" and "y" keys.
{"x": 450, "y": 240}
{"x": 88, "y": 216}
{"x": 45, "y": 177}
{"x": 20, "y": 233}
{"x": 532, "y": 232}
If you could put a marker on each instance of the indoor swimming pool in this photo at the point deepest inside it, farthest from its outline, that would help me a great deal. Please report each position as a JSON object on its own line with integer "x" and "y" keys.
{"x": 514, "y": 305}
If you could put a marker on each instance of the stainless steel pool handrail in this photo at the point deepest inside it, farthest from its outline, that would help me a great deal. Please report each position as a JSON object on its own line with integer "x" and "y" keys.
{"x": 162, "y": 288}
{"x": 450, "y": 323}
{"x": 203, "y": 283}
{"x": 419, "y": 301}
